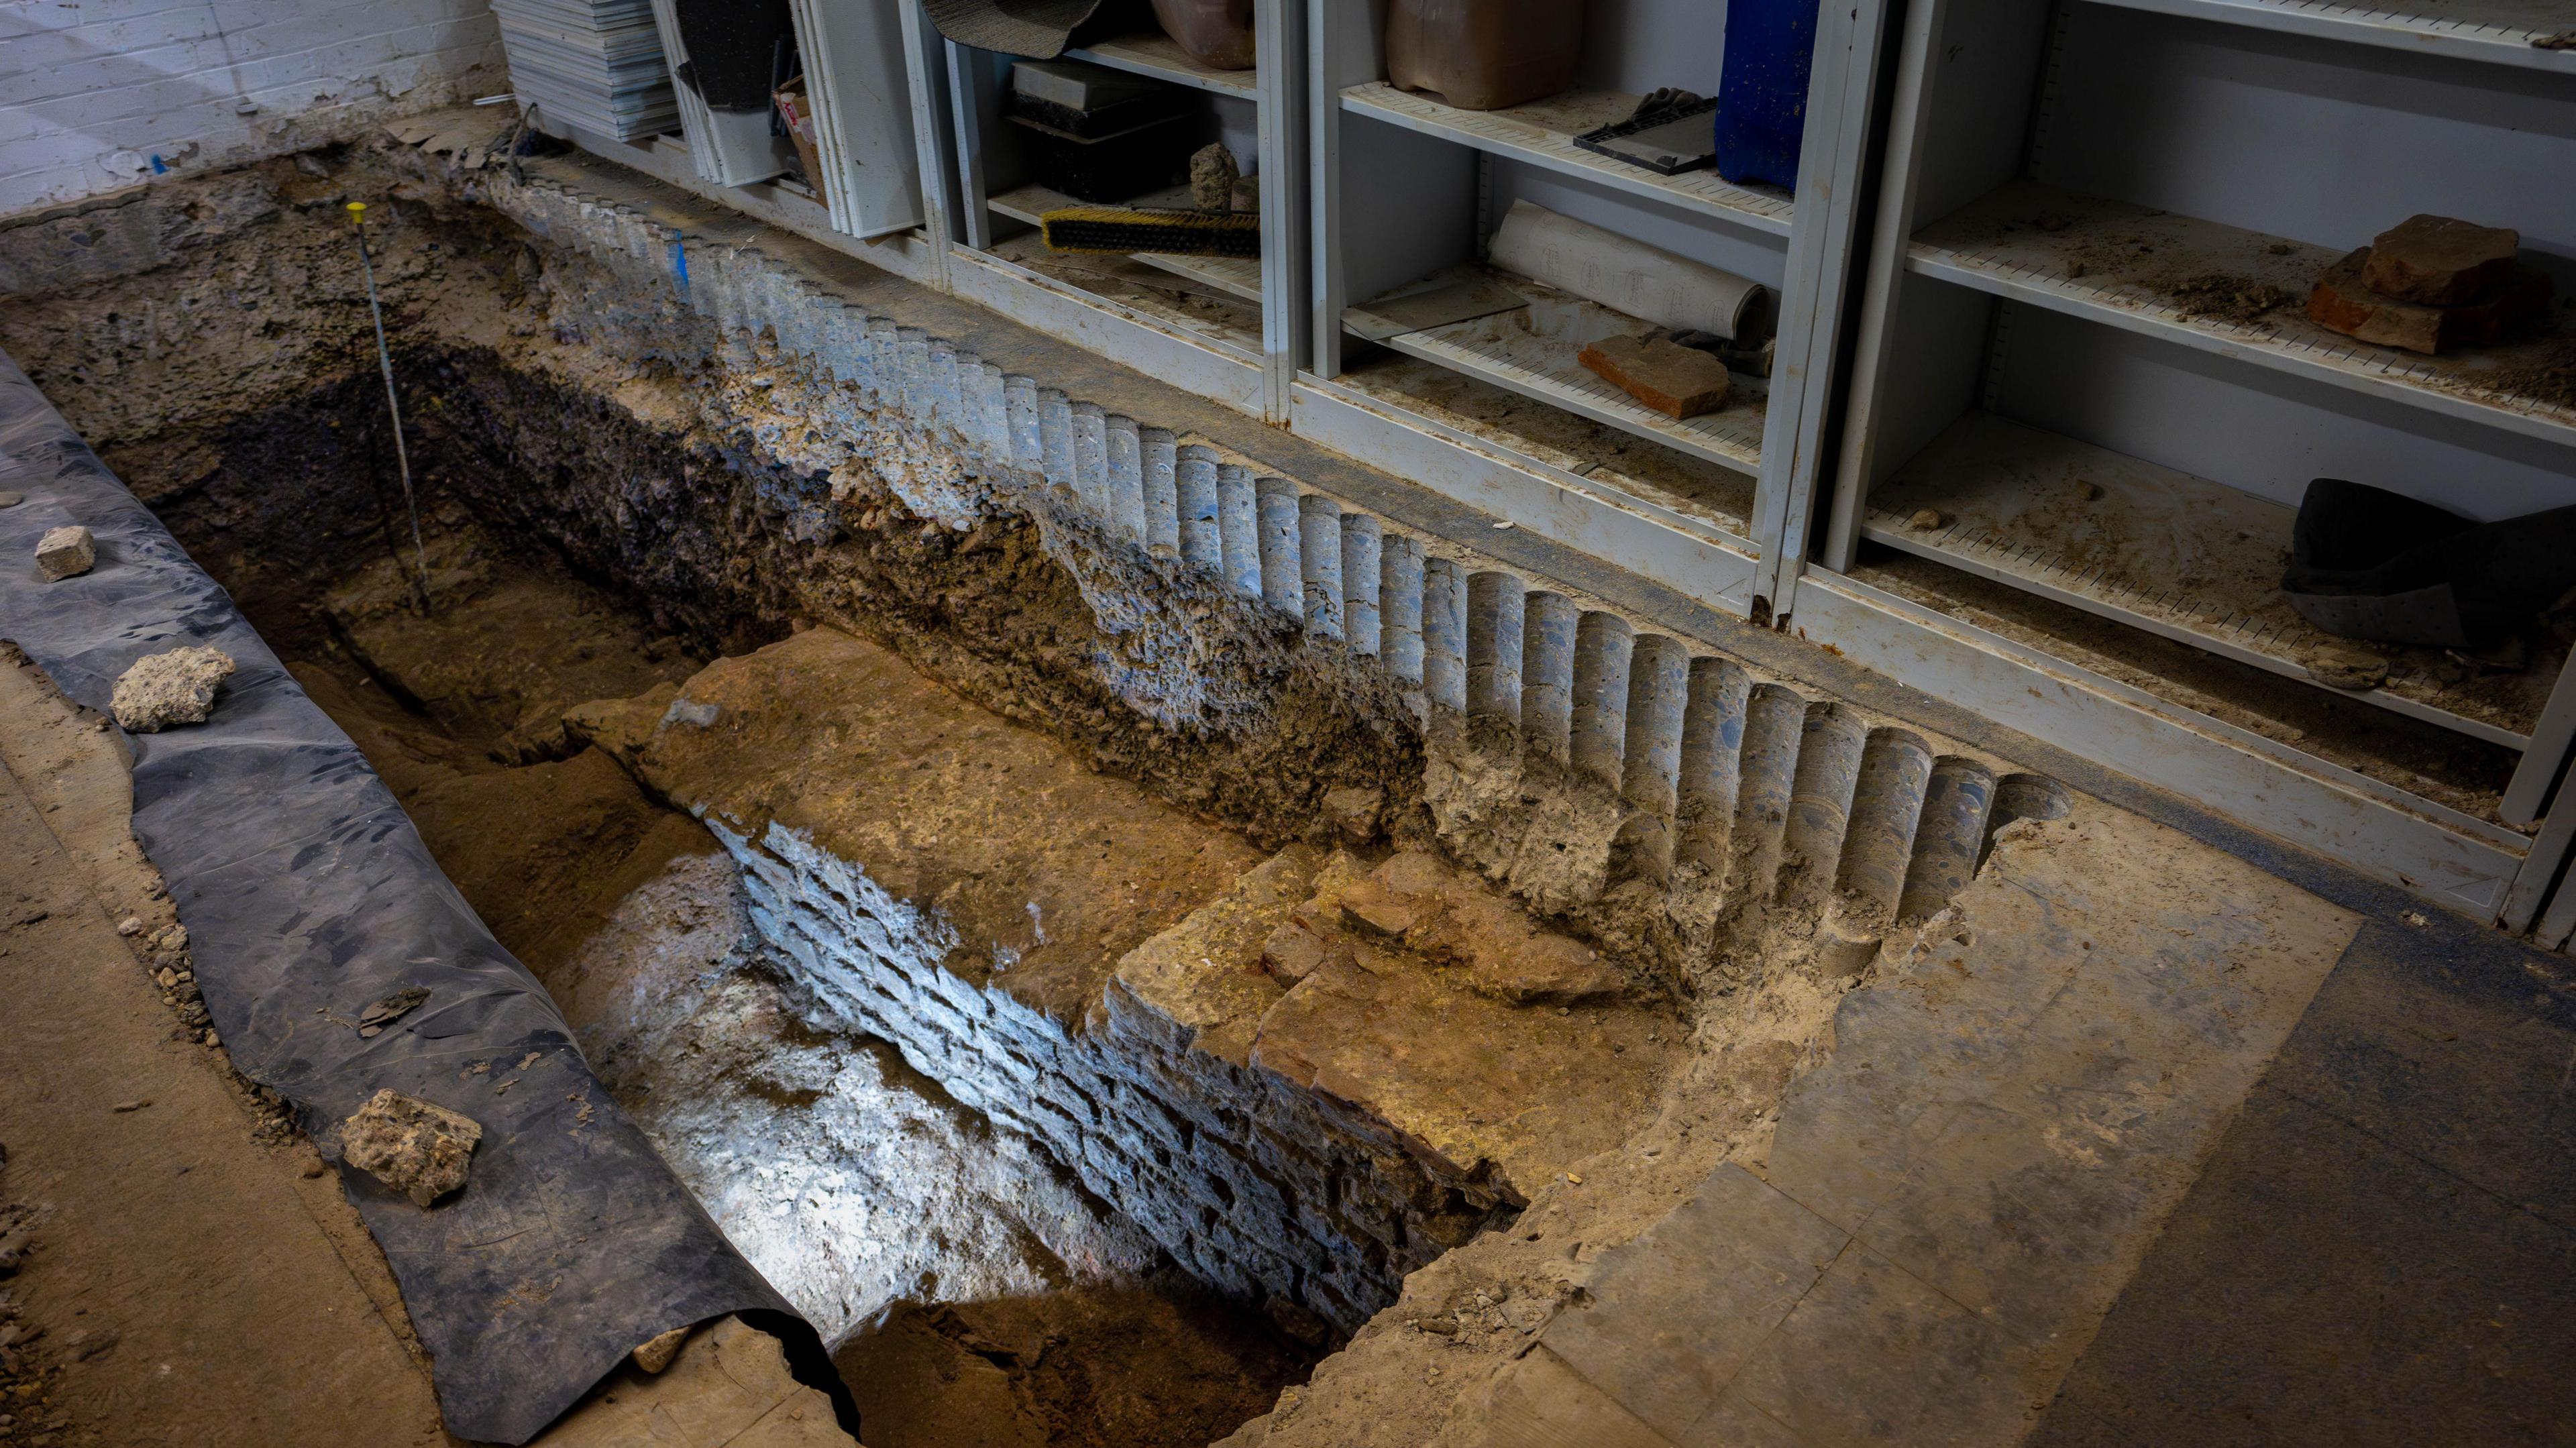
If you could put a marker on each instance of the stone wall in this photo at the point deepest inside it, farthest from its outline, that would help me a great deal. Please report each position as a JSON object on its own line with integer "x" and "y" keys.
{"x": 1252, "y": 1184}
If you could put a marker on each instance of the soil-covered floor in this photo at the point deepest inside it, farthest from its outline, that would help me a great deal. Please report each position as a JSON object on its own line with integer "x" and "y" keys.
{"x": 979, "y": 1295}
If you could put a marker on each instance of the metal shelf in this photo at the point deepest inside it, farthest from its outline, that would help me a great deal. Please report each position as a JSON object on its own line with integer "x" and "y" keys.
{"x": 1152, "y": 53}
{"x": 1237, "y": 277}
{"x": 1542, "y": 133}
{"x": 2490, "y": 32}
{"x": 2195, "y": 561}
{"x": 2119, "y": 264}
{"x": 1532, "y": 351}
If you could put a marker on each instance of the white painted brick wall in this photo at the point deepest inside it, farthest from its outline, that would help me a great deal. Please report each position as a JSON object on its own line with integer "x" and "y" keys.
{"x": 101, "y": 94}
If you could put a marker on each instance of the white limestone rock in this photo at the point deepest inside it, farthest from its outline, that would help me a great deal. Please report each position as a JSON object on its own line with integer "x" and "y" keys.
{"x": 173, "y": 688}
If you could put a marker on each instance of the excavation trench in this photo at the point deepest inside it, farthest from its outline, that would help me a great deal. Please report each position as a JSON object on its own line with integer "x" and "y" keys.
{"x": 1087, "y": 981}
{"x": 976, "y": 1291}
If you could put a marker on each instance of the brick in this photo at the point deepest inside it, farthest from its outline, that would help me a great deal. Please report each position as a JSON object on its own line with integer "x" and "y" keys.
{"x": 1674, "y": 380}
{"x": 2441, "y": 261}
{"x": 2342, "y": 302}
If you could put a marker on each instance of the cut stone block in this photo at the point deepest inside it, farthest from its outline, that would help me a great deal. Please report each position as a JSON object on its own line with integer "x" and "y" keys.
{"x": 2441, "y": 261}
{"x": 2345, "y": 303}
{"x": 65, "y": 553}
{"x": 1674, "y": 380}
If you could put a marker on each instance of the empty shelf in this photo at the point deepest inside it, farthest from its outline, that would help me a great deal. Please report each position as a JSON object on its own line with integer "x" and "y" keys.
{"x": 2131, "y": 267}
{"x": 2192, "y": 560}
{"x": 1542, "y": 133}
{"x": 1235, "y": 276}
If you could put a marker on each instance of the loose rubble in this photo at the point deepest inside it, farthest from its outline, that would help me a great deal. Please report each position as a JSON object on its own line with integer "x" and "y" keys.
{"x": 417, "y": 1147}
{"x": 177, "y": 687}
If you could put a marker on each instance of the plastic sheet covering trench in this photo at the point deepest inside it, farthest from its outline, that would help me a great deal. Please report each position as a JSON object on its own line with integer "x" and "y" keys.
{"x": 307, "y": 895}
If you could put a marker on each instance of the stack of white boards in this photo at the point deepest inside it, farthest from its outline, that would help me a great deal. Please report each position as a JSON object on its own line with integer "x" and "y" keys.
{"x": 596, "y": 64}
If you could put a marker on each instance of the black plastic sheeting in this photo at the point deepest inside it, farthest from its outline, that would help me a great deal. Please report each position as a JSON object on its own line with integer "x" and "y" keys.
{"x": 307, "y": 895}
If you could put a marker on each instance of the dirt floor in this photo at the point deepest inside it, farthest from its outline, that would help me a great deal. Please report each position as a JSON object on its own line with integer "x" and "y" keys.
{"x": 154, "y": 1211}
{"x": 979, "y": 1295}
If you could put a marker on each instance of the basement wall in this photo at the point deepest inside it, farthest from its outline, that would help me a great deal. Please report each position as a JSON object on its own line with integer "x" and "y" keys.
{"x": 97, "y": 97}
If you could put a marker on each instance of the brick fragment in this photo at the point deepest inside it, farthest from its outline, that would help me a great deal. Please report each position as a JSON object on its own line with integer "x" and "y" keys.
{"x": 2343, "y": 302}
{"x": 2440, "y": 261}
{"x": 1674, "y": 380}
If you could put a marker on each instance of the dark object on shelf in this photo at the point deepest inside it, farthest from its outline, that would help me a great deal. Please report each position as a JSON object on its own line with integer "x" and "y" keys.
{"x": 1762, "y": 95}
{"x": 1126, "y": 230}
{"x": 2441, "y": 261}
{"x": 1751, "y": 354}
{"x": 1112, "y": 168}
{"x": 1483, "y": 55}
{"x": 2343, "y": 302}
{"x": 1038, "y": 28}
{"x": 2367, "y": 563}
{"x": 1669, "y": 133}
{"x": 1216, "y": 33}
{"x": 1091, "y": 101}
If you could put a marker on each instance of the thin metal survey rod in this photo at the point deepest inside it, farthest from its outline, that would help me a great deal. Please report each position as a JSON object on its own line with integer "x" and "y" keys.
{"x": 393, "y": 404}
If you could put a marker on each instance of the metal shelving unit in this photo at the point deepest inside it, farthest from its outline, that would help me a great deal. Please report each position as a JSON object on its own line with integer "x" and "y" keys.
{"x": 2084, "y": 368}
{"x": 1230, "y": 316}
{"x": 1458, "y": 171}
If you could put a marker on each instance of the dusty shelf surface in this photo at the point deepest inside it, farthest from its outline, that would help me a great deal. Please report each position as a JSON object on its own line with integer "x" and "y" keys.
{"x": 1532, "y": 350}
{"x": 2235, "y": 292}
{"x": 1237, "y": 277}
{"x": 2496, "y": 32}
{"x": 1542, "y": 133}
{"x": 1152, "y": 53}
{"x": 2193, "y": 560}
{"x": 2447, "y": 768}
{"x": 1162, "y": 293}
{"x": 1612, "y": 457}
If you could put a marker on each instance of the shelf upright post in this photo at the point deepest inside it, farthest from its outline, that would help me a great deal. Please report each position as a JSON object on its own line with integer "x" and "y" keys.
{"x": 1815, "y": 288}
{"x": 1279, "y": 42}
{"x": 924, "y": 67}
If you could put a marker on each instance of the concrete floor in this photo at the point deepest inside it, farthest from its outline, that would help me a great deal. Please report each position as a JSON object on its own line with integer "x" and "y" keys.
{"x": 2383, "y": 1248}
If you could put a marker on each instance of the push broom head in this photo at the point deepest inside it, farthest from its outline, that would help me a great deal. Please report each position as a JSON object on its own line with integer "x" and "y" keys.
{"x": 1124, "y": 229}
